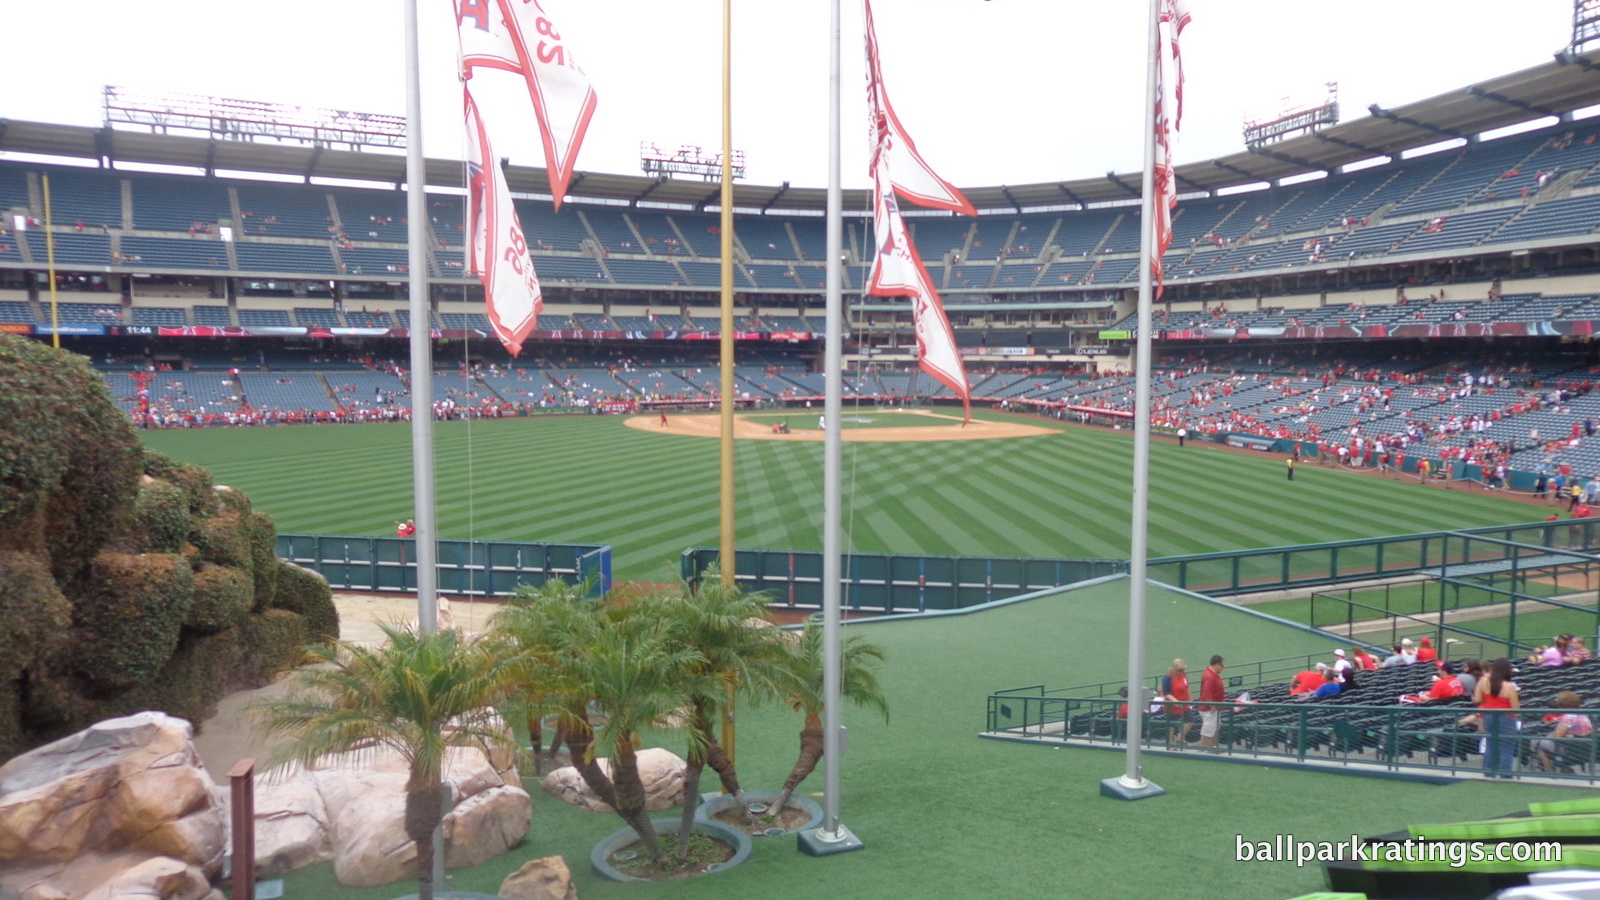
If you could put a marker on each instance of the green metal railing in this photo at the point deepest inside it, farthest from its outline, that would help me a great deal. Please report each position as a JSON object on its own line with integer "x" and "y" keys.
{"x": 1333, "y": 562}
{"x": 469, "y": 568}
{"x": 1420, "y": 739}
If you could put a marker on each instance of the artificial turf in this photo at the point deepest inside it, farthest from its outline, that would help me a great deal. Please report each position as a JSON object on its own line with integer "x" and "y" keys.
{"x": 651, "y": 493}
{"x": 946, "y": 814}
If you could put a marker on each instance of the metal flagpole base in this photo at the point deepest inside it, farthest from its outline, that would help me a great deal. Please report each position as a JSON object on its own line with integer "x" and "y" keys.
{"x": 821, "y": 842}
{"x": 1120, "y": 788}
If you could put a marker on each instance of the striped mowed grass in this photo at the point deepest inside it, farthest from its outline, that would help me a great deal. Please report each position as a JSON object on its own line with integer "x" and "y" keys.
{"x": 651, "y": 493}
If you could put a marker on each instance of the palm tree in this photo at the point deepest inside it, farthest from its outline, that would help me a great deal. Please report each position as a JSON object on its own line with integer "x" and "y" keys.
{"x": 418, "y": 694}
{"x": 742, "y": 651}
{"x": 858, "y": 683}
{"x": 593, "y": 658}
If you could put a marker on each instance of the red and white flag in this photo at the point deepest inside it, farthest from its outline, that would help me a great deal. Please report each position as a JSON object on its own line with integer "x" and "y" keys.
{"x": 1168, "y": 118}
{"x": 518, "y": 36}
{"x": 497, "y": 250}
{"x": 897, "y": 271}
{"x": 913, "y": 178}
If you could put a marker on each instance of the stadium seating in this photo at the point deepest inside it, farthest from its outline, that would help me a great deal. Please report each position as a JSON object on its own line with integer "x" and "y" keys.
{"x": 159, "y": 315}
{"x": 288, "y": 259}
{"x": 765, "y": 238}
{"x": 213, "y": 316}
{"x": 92, "y": 197}
{"x": 284, "y": 210}
{"x": 173, "y": 203}
{"x": 174, "y": 253}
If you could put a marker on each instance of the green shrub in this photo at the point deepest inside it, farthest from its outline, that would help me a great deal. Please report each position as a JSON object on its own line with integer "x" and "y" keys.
{"x": 203, "y": 668}
{"x": 128, "y": 617}
{"x": 305, "y": 592}
{"x": 222, "y": 596}
{"x": 271, "y": 642}
{"x": 35, "y": 619}
{"x": 160, "y": 518}
{"x": 261, "y": 534}
{"x": 69, "y": 458}
{"x": 197, "y": 488}
{"x": 232, "y": 498}
{"x": 221, "y": 539}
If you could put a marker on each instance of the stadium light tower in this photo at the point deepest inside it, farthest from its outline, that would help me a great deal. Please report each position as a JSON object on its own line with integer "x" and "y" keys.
{"x": 1585, "y": 24}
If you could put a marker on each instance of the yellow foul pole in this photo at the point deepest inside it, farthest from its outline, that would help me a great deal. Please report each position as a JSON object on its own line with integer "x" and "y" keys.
{"x": 727, "y": 547}
{"x": 50, "y": 266}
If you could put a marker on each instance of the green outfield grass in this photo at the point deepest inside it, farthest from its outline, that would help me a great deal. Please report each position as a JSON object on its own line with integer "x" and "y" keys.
{"x": 948, "y": 816}
{"x": 651, "y": 493}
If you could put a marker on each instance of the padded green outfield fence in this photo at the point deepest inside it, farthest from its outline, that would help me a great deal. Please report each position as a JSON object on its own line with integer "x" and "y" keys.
{"x": 470, "y": 568}
{"x": 890, "y": 583}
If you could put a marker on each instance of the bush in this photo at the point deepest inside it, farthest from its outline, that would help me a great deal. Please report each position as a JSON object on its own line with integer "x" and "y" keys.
{"x": 261, "y": 536}
{"x": 305, "y": 592}
{"x": 69, "y": 458}
{"x": 160, "y": 518}
{"x": 203, "y": 668}
{"x": 34, "y": 617}
{"x": 128, "y": 618}
{"x": 271, "y": 642}
{"x": 222, "y": 539}
{"x": 197, "y": 488}
{"x": 222, "y": 596}
{"x": 232, "y": 498}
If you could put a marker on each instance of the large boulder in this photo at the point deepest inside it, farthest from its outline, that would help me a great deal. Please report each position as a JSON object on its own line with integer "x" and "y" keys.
{"x": 111, "y": 786}
{"x": 350, "y": 808}
{"x": 540, "y": 879}
{"x": 158, "y": 878}
{"x": 660, "y": 770}
{"x": 486, "y": 825}
{"x": 291, "y": 826}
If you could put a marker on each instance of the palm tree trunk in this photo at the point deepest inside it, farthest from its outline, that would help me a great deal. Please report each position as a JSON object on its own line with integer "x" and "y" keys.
{"x": 691, "y": 798}
{"x": 536, "y": 741}
{"x": 630, "y": 797}
{"x": 716, "y": 757}
{"x": 579, "y": 740}
{"x": 810, "y": 755}
{"x": 424, "y": 810}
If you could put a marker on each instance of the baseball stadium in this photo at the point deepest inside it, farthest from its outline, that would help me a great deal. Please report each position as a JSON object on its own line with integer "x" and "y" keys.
{"x": 1373, "y": 433}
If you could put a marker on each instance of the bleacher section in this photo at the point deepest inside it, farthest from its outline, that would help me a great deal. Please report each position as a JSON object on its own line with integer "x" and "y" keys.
{"x": 1366, "y": 215}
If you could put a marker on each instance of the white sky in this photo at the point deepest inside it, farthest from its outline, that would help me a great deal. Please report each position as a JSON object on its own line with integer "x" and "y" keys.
{"x": 993, "y": 91}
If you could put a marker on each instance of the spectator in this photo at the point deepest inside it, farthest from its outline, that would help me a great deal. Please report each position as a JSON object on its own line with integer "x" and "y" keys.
{"x": 1577, "y": 651}
{"x": 1471, "y": 672}
{"x": 1446, "y": 684}
{"x": 1211, "y": 689}
{"x": 1498, "y": 698}
{"x": 1331, "y": 686}
{"x": 1308, "y": 681}
{"x": 1568, "y": 725}
{"x": 1426, "y": 653}
{"x": 1404, "y": 655}
{"x": 1175, "y": 687}
{"x": 1362, "y": 659}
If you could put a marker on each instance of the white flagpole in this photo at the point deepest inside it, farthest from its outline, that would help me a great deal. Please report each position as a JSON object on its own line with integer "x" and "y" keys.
{"x": 832, "y": 837}
{"x": 421, "y": 349}
{"x": 1132, "y": 785}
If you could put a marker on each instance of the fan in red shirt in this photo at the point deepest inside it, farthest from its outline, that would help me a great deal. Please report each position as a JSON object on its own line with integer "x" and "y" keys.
{"x": 1213, "y": 690}
{"x": 1426, "y": 653}
{"x": 1175, "y": 686}
{"x": 1308, "y": 681}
